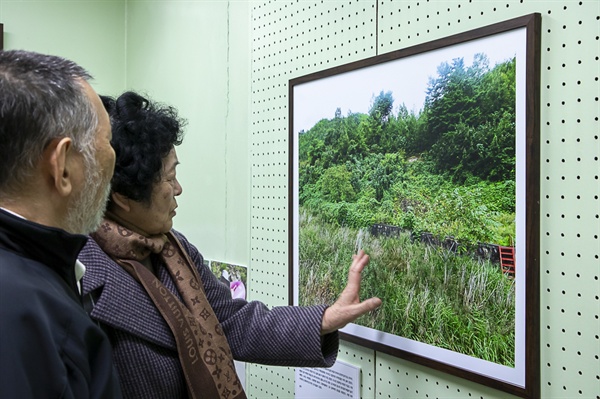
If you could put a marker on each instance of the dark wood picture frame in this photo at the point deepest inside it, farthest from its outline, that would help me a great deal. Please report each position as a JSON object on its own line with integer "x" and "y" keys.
{"x": 524, "y": 379}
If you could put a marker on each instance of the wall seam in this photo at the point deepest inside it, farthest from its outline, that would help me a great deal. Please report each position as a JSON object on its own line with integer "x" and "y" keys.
{"x": 125, "y": 59}
{"x": 227, "y": 105}
{"x": 376, "y": 27}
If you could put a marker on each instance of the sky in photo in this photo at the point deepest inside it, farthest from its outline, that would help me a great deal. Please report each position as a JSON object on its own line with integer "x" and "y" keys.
{"x": 406, "y": 78}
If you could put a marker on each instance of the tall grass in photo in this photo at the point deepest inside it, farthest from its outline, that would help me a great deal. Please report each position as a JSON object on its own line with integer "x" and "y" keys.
{"x": 429, "y": 294}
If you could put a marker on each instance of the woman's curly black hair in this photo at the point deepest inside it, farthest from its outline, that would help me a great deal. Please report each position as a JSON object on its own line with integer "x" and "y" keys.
{"x": 143, "y": 133}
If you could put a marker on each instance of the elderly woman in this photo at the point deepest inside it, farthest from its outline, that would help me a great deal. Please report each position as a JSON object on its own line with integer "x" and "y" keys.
{"x": 174, "y": 326}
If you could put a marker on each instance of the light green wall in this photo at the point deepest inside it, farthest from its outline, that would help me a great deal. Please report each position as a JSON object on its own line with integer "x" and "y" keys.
{"x": 91, "y": 33}
{"x": 195, "y": 55}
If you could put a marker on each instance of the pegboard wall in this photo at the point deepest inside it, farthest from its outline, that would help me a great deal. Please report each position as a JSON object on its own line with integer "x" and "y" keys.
{"x": 295, "y": 38}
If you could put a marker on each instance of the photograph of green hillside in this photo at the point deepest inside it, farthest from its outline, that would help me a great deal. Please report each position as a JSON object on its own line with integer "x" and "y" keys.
{"x": 427, "y": 158}
{"x": 429, "y": 193}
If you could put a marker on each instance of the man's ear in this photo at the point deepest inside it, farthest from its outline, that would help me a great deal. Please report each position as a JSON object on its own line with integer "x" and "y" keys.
{"x": 121, "y": 201}
{"x": 59, "y": 155}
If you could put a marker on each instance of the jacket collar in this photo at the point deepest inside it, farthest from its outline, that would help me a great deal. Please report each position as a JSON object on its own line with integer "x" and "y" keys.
{"x": 122, "y": 302}
{"x": 53, "y": 247}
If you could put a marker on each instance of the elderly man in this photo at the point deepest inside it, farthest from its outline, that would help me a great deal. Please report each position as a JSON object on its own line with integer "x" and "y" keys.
{"x": 56, "y": 163}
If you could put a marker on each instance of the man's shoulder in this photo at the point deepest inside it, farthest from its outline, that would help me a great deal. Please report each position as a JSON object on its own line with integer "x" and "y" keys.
{"x": 29, "y": 288}
{"x": 41, "y": 322}
{"x": 20, "y": 275}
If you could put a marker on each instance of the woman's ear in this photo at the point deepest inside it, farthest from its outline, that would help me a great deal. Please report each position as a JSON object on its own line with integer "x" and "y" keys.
{"x": 121, "y": 201}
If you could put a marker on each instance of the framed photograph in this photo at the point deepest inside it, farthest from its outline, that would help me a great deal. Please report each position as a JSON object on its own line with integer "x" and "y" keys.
{"x": 427, "y": 158}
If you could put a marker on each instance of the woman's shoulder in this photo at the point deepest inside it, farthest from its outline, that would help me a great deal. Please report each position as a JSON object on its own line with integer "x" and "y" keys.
{"x": 92, "y": 253}
{"x": 98, "y": 265}
{"x": 189, "y": 247}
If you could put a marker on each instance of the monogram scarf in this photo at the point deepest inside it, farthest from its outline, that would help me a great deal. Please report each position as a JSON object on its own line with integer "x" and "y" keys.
{"x": 203, "y": 350}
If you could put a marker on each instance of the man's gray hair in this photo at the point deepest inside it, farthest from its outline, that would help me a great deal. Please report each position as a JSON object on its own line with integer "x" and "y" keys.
{"x": 41, "y": 98}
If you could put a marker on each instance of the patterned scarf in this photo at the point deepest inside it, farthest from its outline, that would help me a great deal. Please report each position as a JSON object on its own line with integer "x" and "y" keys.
{"x": 204, "y": 353}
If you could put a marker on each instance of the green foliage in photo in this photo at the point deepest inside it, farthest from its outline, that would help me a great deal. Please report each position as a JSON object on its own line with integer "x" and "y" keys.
{"x": 448, "y": 170}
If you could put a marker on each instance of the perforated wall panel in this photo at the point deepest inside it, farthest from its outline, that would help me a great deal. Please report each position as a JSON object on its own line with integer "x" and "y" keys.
{"x": 295, "y": 38}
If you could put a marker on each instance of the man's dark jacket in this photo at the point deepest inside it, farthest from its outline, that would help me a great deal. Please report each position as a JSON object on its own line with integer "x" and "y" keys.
{"x": 49, "y": 347}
